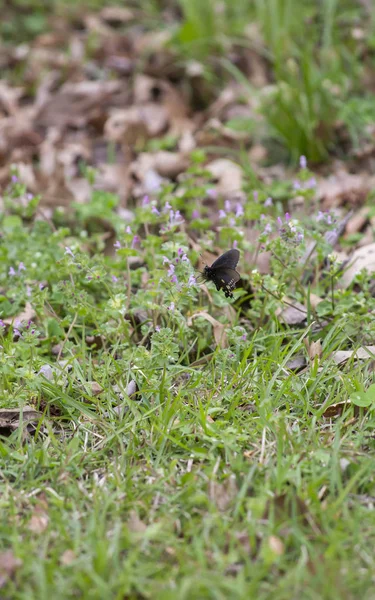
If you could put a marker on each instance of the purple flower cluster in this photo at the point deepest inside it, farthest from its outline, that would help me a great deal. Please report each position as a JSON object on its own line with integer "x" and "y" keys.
{"x": 182, "y": 257}
{"x": 13, "y": 273}
{"x": 228, "y": 211}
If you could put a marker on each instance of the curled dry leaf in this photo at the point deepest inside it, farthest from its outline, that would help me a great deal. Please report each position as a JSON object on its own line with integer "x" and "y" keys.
{"x": 314, "y": 349}
{"x": 218, "y": 328}
{"x": 12, "y": 418}
{"x": 9, "y": 563}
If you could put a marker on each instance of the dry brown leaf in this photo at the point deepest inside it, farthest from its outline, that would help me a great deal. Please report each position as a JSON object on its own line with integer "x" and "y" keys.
{"x": 343, "y": 187}
{"x": 295, "y": 314}
{"x": 67, "y": 558}
{"x": 39, "y": 521}
{"x": 342, "y": 356}
{"x": 27, "y": 314}
{"x": 276, "y": 545}
{"x": 358, "y": 220}
{"x": 227, "y": 177}
{"x": 314, "y": 349}
{"x": 218, "y": 328}
{"x": 362, "y": 258}
{"x": 222, "y": 494}
{"x": 9, "y": 563}
{"x": 12, "y": 418}
{"x": 170, "y": 164}
{"x": 116, "y": 14}
{"x": 135, "y": 524}
{"x": 336, "y": 410}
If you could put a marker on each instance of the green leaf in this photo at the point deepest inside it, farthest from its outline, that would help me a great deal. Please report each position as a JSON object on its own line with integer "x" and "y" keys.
{"x": 360, "y": 399}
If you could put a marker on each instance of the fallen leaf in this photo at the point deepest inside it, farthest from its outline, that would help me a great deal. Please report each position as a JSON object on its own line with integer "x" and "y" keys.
{"x": 295, "y": 314}
{"x": 12, "y": 418}
{"x": 9, "y": 563}
{"x": 135, "y": 524}
{"x": 67, "y": 558}
{"x": 218, "y": 328}
{"x": 314, "y": 349}
{"x": 222, "y": 494}
{"x": 228, "y": 177}
{"x": 358, "y": 220}
{"x": 39, "y": 521}
{"x": 276, "y": 545}
{"x": 362, "y": 259}
{"x": 342, "y": 356}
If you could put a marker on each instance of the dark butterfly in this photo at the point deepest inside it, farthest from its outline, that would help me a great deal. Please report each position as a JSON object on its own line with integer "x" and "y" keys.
{"x": 223, "y": 272}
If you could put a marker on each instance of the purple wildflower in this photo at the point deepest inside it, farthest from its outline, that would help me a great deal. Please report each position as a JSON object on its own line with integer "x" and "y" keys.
{"x": 192, "y": 280}
{"x": 268, "y": 202}
{"x": 136, "y": 239}
{"x": 180, "y": 252}
{"x": 14, "y": 179}
{"x": 145, "y": 201}
{"x": 28, "y": 291}
{"x": 302, "y": 162}
{"x": 68, "y": 251}
{"x": 117, "y": 245}
{"x": 41, "y": 286}
{"x": 222, "y": 214}
{"x": 29, "y": 197}
{"x": 174, "y": 279}
{"x": 297, "y": 184}
{"x": 155, "y": 211}
{"x": 227, "y": 206}
{"x": 243, "y": 337}
{"x": 171, "y": 306}
{"x": 167, "y": 207}
{"x": 128, "y": 229}
{"x": 287, "y": 216}
{"x": 195, "y": 214}
{"x": 239, "y": 210}
{"x": 310, "y": 183}
{"x": 255, "y": 196}
{"x": 268, "y": 228}
{"x": 21, "y": 267}
{"x": 11, "y": 272}
{"x": 211, "y": 193}
{"x": 114, "y": 278}
{"x": 165, "y": 260}
{"x": 235, "y": 244}
{"x": 171, "y": 270}
{"x": 279, "y": 221}
{"x": 184, "y": 258}
{"x": 2, "y": 324}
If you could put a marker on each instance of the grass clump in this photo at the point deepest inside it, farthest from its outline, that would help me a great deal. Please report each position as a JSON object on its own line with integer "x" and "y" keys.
{"x": 174, "y": 450}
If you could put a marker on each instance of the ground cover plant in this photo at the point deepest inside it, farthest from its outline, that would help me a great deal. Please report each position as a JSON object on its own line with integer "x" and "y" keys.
{"x": 160, "y": 438}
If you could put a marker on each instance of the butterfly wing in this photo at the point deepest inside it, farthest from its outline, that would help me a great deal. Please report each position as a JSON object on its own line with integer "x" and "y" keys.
{"x": 228, "y": 260}
{"x": 225, "y": 279}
